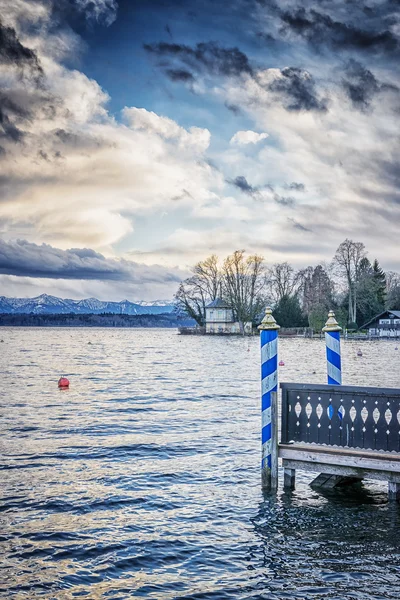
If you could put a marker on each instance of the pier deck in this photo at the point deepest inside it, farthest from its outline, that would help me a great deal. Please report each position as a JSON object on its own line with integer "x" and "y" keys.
{"x": 341, "y": 432}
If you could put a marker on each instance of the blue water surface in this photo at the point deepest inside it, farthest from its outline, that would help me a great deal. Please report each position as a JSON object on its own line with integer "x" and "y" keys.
{"x": 142, "y": 480}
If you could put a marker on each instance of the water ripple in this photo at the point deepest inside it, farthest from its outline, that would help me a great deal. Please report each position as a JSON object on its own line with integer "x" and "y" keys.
{"x": 142, "y": 480}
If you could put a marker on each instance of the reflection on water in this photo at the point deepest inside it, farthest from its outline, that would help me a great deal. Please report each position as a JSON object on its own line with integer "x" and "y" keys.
{"x": 142, "y": 480}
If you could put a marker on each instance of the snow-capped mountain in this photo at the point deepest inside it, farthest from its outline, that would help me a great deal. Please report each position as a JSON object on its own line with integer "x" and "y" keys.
{"x": 45, "y": 304}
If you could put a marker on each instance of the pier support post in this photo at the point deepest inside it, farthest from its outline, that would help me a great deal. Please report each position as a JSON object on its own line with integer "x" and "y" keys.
{"x": 332, "y": 340}
{"x": 289, "y": 478}
{"x": 393, "y": 491}
{"x": 269, "y": 414}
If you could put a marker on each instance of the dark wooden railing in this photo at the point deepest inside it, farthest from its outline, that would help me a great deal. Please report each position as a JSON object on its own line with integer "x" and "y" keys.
{"x": 346, "y": 416}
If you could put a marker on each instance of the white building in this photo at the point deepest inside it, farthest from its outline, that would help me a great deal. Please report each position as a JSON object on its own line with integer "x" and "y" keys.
{"x": 219, "y": 319}
{"x": 387, "y": 324}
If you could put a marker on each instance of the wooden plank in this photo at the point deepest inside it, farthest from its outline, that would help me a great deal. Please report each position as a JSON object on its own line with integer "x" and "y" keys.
{"x": 343, "y": 470}
{"x": 351, "y": 389}
{"x": 360, "y": 462}
{"x": 274, "y": 440}
{"x": 339, "y": 451}
{"x": 284, "y": 416}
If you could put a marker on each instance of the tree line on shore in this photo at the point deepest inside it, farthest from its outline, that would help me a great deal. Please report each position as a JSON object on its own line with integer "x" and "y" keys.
{"x": 94, "y": 320}
{"x": 356, "y": 288}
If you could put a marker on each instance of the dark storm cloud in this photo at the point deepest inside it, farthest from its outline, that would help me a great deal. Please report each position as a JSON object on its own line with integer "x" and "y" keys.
{"x": 26, "y": 259}
{"x": 298, "y": 225}
{"x": 12, "y": 52}
{"x": 243, "y": 185}
{"x": 298, "y": 187}
{"x": 168, "y": 30}
{"x": 30, "y": 260}
{"x": 284, "y": 200}
{"x": 179, "y": 75}
{"x": 13, "y": 112}
{"x": 206, "y": 57}
{"x": 361, "y": 85}
{"x": 10, "y": 113}
{"x": 297, "y": 90}
{"x": 388, "y": 172}
{"x": 322, "y": 30}
{"x": 184, "y": 195}
{"x": 233, "y": 108}
{"x": 103, "y": 12}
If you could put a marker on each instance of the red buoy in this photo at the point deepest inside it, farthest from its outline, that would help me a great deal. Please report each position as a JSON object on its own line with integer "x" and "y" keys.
{"x": 63, "y": 382}
{"x": 281, "y": 363}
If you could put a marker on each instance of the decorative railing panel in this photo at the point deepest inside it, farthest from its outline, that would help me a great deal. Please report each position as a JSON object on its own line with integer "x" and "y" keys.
{"x": 347, "y": 416}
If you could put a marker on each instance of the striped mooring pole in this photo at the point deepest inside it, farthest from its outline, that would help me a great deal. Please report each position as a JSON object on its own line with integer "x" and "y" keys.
{"x": 269, "y": 386}
{"x": 332, "y": 340}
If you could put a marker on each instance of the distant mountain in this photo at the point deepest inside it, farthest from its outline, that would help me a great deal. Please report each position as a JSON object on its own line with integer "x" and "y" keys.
{"x": 51, "y": 305}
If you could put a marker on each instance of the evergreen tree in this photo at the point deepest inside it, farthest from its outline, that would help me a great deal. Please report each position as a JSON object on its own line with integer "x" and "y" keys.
{"x": 380, "y": 281}
{"x": 371, "y": 289}
{"x": 288, "y": 312}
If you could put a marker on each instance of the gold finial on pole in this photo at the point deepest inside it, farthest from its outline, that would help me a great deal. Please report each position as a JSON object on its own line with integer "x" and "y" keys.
{"x": 331, "y": 324}
{"x": 268, "y": 321}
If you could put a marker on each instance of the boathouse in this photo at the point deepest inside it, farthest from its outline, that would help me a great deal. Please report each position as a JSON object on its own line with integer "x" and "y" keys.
{"x": 387, "y": 324}
{"x": 220, "y": 319}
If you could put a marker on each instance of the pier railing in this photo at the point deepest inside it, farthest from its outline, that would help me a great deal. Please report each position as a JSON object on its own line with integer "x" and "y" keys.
{"x": 347, "y": 416}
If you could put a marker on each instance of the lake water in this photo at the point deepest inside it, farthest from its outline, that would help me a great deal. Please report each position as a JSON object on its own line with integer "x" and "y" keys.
{"x": 142, "y": 480}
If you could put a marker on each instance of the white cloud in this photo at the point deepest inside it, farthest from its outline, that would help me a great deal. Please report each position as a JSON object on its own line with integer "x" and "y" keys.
{"x": 77, "y": 176}
{"x": 195, "y": 139}
{"x": 80, "y": 177}
{"x": 248, "y": 137}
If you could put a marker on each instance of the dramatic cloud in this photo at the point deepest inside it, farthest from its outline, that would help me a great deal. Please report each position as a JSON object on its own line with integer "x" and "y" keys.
{"x": 25, "y": 259}
{"x": 206, "y": 57}
{"x": 57, "y": 141}
{"x": 179, "y": 75}
{"x": 284, "y": 200}
{"x": 102, "y": 11}
{"x": 298, "y": 187}
{"x": 144, "y": 120}
{"x": 297, "y": 89}
{"x": 79, "y": 169}
{"x": 248, "y": 137}
{"x": 243, "y": 185}
{"x": 298, "y": 225}
{"x": 263, "y": 193}
{"x": 12, "y": 52}
{"x": 320, "y": 30}
{"x": 361, "y": 85}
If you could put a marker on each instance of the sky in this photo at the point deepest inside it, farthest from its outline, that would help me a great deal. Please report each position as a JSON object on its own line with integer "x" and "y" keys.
{"x": 140, "y": 136}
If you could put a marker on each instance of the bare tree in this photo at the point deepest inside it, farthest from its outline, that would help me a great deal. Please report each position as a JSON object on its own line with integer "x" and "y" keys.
{"x": 244, "y": 284}
{"x": 316, "y": 288}
{"x": 282, "y": 280}
{"x": 392, "y": 290}
{"x": 197, "y": 291}
{"x": 208, "y": 276}
{"x": 348, "y": 259}
{"x": 392, "y": 281}
{"x": 190, "y": 299}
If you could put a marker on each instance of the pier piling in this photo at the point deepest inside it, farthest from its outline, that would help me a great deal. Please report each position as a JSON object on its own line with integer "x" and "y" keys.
{"x": 332, "y": 339}
{"x": 269, "y": 385}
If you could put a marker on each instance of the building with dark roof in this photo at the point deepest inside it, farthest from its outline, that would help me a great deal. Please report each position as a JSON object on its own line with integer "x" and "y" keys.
{"x": 387, "y": 324}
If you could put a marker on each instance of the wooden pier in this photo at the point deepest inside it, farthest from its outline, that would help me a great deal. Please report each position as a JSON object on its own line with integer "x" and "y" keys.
{"x": 343, "y": 433}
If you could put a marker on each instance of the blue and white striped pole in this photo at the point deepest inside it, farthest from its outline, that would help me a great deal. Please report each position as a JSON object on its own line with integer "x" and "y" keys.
{"x": 269, "y": 384}
{"x": 332, "y": 339}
